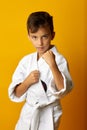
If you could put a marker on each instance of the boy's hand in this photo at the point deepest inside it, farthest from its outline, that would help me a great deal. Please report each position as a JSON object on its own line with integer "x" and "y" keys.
{"x": 33, "y": 77}
{"x": 49, "y": 57}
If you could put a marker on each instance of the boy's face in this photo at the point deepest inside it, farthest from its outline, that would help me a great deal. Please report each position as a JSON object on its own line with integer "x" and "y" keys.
{"x": 41, "y": 39}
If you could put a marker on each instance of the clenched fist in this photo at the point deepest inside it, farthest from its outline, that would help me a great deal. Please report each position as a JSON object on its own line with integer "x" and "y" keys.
{"x": 49, "y": 57}
{"x": 34, "y": 77}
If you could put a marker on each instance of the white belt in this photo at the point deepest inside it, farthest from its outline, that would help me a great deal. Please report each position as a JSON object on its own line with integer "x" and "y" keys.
{"x": 42, "y": 118}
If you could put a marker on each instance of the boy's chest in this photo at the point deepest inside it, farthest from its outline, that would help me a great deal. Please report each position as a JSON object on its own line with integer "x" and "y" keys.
{"x": 42, "y": 66}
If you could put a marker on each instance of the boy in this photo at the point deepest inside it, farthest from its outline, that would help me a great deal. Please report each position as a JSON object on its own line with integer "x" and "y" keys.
{"x": 41, "y": 78}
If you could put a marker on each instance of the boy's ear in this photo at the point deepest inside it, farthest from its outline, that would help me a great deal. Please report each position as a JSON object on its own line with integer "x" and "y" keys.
{"x": 53, "y": 35}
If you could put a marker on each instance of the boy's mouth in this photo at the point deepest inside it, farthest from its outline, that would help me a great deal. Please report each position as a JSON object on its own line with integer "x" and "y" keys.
{"x": 40, "y": 48}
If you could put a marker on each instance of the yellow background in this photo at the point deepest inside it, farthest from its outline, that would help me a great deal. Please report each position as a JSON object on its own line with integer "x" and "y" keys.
{"x": 70, "y": 27}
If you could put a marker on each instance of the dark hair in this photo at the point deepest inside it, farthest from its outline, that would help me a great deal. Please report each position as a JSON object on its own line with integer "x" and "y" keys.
{"x": 39, "y": 19}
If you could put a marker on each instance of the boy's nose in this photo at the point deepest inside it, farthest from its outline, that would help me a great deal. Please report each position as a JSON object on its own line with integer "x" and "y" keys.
{"x": 40, "y": 42}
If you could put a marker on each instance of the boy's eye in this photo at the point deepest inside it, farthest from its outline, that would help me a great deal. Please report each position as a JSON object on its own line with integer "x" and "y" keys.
{"x": 34, "y": 37}
{"x": 45, "y": 36}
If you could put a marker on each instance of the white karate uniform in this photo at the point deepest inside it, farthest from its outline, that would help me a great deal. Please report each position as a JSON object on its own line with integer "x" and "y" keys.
{"x": 42, "y": 110}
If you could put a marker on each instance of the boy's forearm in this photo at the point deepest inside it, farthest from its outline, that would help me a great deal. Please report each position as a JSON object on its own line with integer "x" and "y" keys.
{"x": 21, "y": 88}
{"x": 58, "y": 78}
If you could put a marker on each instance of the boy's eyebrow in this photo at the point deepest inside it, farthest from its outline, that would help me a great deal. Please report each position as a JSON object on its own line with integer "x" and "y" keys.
{"x": 47, "y": 34}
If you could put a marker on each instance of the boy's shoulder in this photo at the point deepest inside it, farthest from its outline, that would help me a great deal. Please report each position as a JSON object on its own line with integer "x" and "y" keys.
{"x": 58, "y": 56}
{"x": 28, "y": 57}
{"x": 56, "y": 52}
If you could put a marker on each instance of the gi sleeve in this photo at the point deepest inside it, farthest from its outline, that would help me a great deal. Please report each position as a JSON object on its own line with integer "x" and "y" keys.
{"x": 17, "y": 78}
{"x": 68, "y": 85}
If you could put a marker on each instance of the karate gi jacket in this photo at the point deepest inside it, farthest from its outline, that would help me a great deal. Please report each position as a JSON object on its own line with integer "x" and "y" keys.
{"x": 42, "y": 110}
